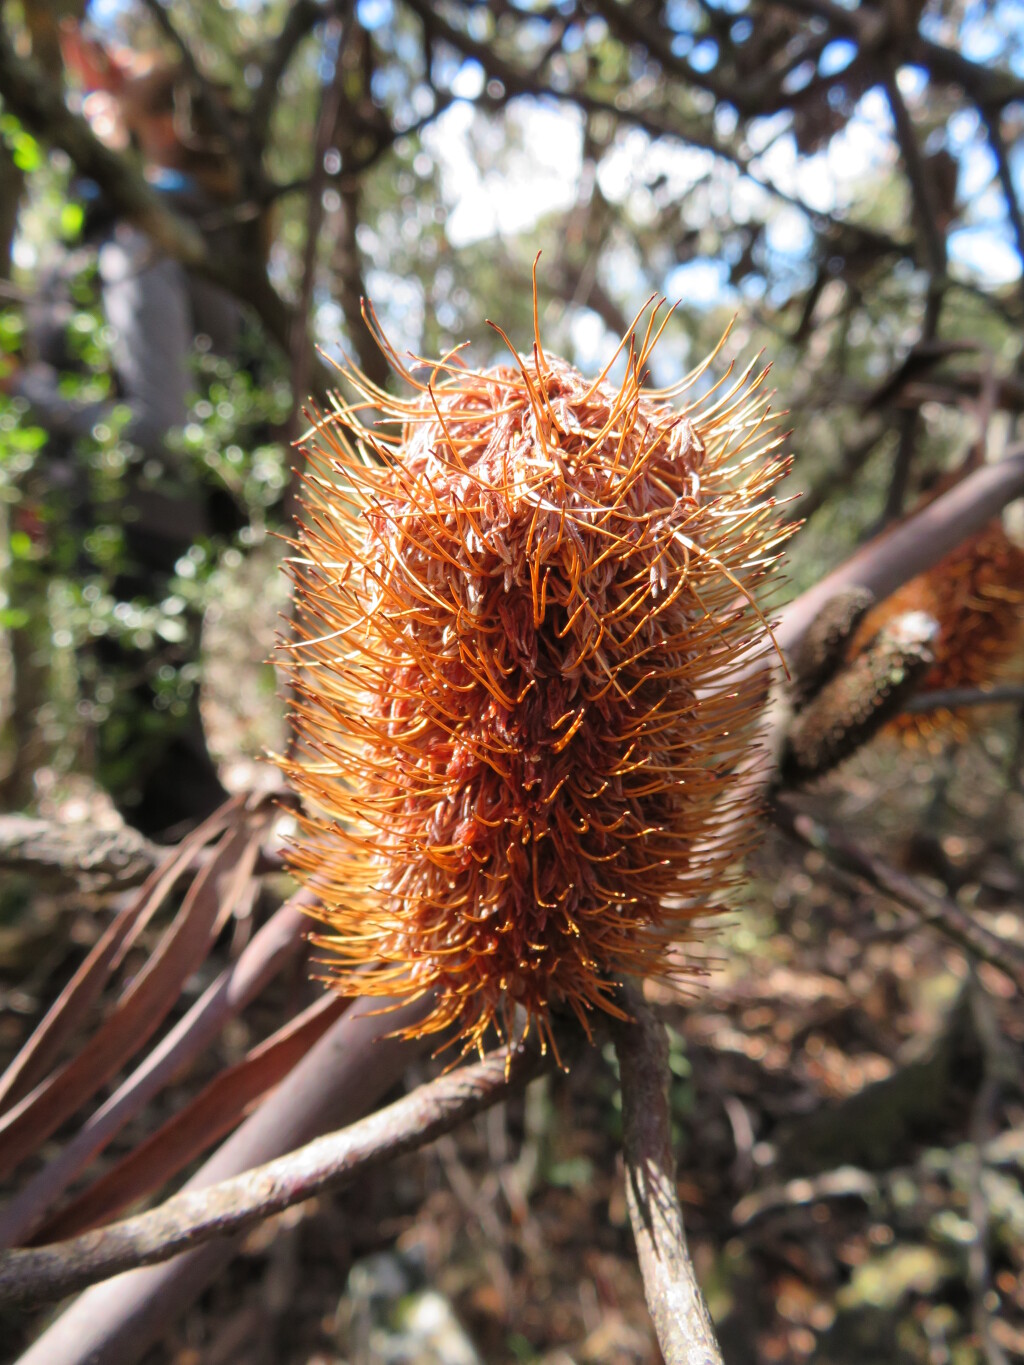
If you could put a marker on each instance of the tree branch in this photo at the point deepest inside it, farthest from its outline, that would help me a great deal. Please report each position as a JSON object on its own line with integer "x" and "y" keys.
{"x": 301, "y": 350}
{"x": 301, "y": 19}
{"x": 990, "y": 118}
{"x": 273, "y": 946}
{"x": 987, "y": 85}
{"x": 682, "y": 1322}
{"x": 516, "y": 81}
{"x": 885, "y": 564}
{"x": 935, "y": 910}
{"x": 212, "y": 105}
{"x": 194, "y": 1217}
{"x": 76, "y": 856}
{"x": 921, "y": 186}
{"x": 951, "y": 698}
{"x": 856, "y": 702}
{"x": 37, "y": 102}
{"x": 839, "y": 476}
{"x": 82, "y": 857}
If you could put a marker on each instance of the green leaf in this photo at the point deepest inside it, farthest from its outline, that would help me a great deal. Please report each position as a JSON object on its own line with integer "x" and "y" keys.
{"x": 25, "y": 152}
{"x": 71, "y": 219}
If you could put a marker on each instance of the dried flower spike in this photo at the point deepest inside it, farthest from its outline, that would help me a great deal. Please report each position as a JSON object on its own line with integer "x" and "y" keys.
{"x": 976, "y": 593}
{"x": 516, "y": 722}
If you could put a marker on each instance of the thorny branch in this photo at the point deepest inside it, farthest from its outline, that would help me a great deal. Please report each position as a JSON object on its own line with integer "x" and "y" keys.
{"x": 190, "y": 1219}
{"x": 681, "y": 1318}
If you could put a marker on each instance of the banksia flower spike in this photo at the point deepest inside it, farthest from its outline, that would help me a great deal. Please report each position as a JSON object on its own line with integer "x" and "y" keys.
{"x": 516, "y": 723}
{"x": 976, "y": 594}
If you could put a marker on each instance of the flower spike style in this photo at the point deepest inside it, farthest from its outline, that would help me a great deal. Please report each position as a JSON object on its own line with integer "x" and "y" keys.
{"x": 520, "y": 602}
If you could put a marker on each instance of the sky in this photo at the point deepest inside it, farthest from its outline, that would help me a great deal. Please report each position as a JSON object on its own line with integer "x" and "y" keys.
{"x": 528, "y": 188}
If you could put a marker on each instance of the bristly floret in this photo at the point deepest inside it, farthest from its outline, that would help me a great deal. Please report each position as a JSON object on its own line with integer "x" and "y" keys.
{"x": 516, "y": 723}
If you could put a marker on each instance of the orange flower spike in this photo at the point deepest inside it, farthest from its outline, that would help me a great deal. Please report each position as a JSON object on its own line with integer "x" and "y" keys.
{"x": 516, "y": 723}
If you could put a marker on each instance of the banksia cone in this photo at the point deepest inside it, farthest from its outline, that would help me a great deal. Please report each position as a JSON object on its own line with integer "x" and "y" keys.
{"x": 516, "y": 721}
{"x": 976, "y": 594}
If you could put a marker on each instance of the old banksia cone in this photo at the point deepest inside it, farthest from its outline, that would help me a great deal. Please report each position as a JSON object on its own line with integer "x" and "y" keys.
{"x": 517, "y": 719}
{"x": 976, "y": 594}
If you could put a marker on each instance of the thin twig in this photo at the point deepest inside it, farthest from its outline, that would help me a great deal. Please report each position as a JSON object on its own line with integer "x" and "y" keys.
{"x": 841, "y": 474}
{"x": 212, "y": 104}
{"x": 187, "y": 1220}
{"x": 681, "y": 1318}
{"x": 932, "y": 909}
{"x": 949, "y": 698}
{"x": 301, "y": 18}
{"x": 991, "y": 120}
{"x": 301, "y": 348}
{"x": 921, "y": 184}
{"x": 516, "y": 80}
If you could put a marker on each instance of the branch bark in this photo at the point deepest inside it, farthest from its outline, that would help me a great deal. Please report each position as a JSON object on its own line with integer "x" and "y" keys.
{"x": 854, "y": 704}
{"x": 885, "y": 564}
{"x": 76, "y": 857}
{"x": 682, "y": 1321}
{"x": 194, "y": 1217}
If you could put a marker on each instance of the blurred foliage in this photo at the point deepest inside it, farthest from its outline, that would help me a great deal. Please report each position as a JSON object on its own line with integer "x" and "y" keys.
{"x": 64, "y": 499}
